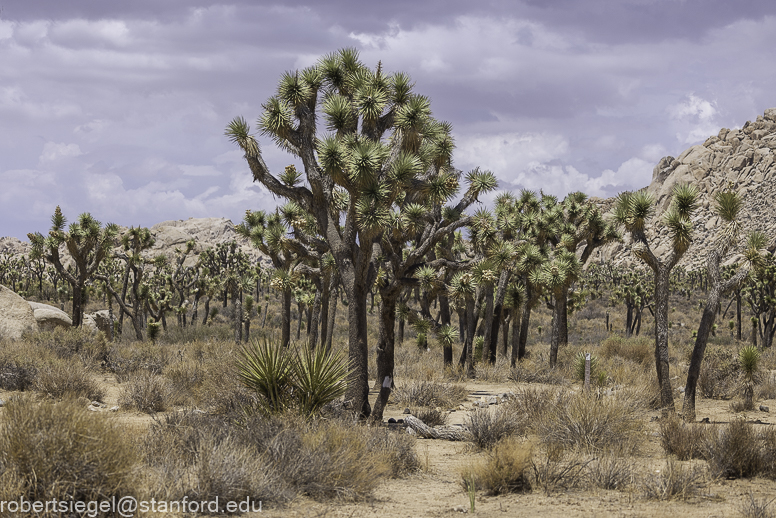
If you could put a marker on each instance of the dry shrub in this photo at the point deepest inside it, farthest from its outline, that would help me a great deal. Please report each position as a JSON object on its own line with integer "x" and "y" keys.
{"x": 61, "y": 451}
{"x": 146, "y": 392}
{"x": 17, "y": 367}
{"x": 494, "y": 373}
{"x": 735, "y": 451}
{"x": 752, "y": 507}
{"x": 591, "y": 423}
{"x": 430, "y": 416}
{"x": 610, "y": 471}
{"x": 272, "y": 458}
{"x": 430, "y": 394}
{"x": 505, "y": 469}
{"x": 487, "y": 427}
{"x": 557, "y": 469}
{"x": 767, "y": 388}
{"x": 674, "y": 481}
{"x": 126, "y": 359}
{"x": 231, "y": 470}
{"x": 640, "y": 349}
{"x": 67, "y": 381}
{"x": 684, "y": 441}
{"x": 528, "y": 371}
{"x": 718, "y": 378}
{"x": 91, "y": 348}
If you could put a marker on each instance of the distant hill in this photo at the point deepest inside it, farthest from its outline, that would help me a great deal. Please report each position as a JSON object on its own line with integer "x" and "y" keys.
{"x": 169, "y": 235}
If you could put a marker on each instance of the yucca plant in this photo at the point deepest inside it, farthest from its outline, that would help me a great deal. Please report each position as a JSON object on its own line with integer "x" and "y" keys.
{"x": 266, "y": 368}
{"x": 319, "y": 378}
{"x": 748, "y": 359}
{"x": 579, "y": 366}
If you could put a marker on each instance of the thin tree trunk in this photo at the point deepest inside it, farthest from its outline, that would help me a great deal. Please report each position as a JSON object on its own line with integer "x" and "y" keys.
{"x": 661, "y": 339}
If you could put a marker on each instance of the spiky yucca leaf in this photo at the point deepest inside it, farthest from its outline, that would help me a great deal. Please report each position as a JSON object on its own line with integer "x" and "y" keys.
{"x": 685, "y": 199}
{"x": 748, "y": 359}
{"x": 447, "y": 335}
{"x": 293, "y": 89}
{"x": 266, "y": 368}
{"x": 339, "y": 112}
{"x": 277, "y": 119}
{"x": 680, "y": 229}
{"x": 238, "y": 132}
{"x": 320, "y": 377}
{"x": 728, "y": 205}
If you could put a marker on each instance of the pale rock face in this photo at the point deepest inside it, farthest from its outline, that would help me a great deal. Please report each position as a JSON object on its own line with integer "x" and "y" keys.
{"x": 50, "y": 317}
{"x": 743, "y": 159}
{"x": 16, "y": 315}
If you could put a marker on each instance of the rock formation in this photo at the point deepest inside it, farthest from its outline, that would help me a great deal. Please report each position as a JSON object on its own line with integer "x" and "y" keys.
{"x": 16, "y": 315}
{"x": 742, "y": 159}
{"x": 49, "y": 317}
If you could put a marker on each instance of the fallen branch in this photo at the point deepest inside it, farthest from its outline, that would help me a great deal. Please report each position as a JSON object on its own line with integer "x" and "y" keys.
{"x": 448, "y": 433}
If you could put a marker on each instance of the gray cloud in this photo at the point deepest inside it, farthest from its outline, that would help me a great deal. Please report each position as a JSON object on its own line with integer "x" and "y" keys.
{"x": 118, "y": 108}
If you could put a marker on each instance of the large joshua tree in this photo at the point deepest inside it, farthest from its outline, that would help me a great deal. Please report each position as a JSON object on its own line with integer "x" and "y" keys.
{"x": 633, "y": 211}
{"x": 728, "y": 205}
{"x": 379, "y": 139}
{"x": 86, "y": 241}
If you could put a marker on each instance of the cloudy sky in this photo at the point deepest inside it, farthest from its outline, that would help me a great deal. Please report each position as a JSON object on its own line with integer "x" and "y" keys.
{"x": 119, "y": 108}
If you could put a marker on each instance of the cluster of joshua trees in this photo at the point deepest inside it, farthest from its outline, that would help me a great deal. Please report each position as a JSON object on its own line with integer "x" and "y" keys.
{"x": 378, "y": 214}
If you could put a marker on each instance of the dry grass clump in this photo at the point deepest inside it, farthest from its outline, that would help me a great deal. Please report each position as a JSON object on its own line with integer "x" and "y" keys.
{"x": 675, "y": 481}
{"x": 528, "y": 371}
{"x": 684, "y": 441}
{"x": 752, "y": 507}
{"x": 272, "y": 458}
{"x": 430, "y": 394}
{"x": 610, "y": 471}
{"x": 640, "y": 349}
{"x": 558, "y": 470}
{"x": 126, "y": 359}
{"x": 495, "y": 373}
{"x": 60, "y": 451}
{"x": 719, "y": 373}
{"x": 146, "y": 392}
{"x": 430, "y": 416}
{"x": 17, "y": 366}
{"x": 65, "y": 380}
{"x": 74, "y": 342}
{"x": 487, "y": 427}
{"x": 591, "y": 423}
{"x": 736, "y": 450}
{"x": 504, "y": 469}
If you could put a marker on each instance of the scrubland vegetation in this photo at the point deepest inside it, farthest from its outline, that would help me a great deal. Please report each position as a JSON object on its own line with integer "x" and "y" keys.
{"x": 219, "y": 376}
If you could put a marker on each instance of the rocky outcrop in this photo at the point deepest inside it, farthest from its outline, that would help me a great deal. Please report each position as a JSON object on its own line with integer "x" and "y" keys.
{"x": 744, "y": 159}
{"x": 16, "y": 315}
{"x": 50, "y": 317}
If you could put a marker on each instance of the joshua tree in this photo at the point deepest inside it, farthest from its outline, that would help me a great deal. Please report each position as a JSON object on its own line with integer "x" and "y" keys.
{"x": 381, "y": 141}
{"x": 633, "y": 210}
{"x": 86, "y": 242}
{"x": 760, "y": 294}
{"x": 134, "y": 242}
{"x": 728, "y": 205}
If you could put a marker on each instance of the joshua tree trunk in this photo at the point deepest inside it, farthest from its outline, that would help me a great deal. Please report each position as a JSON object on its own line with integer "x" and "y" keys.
{"x": 661, "y": 339}
{"x": 519, "y": 352}
{"x": 497, "y": 315}
{"x": 285, "y": 319}
{"x": 559, "y": 325}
